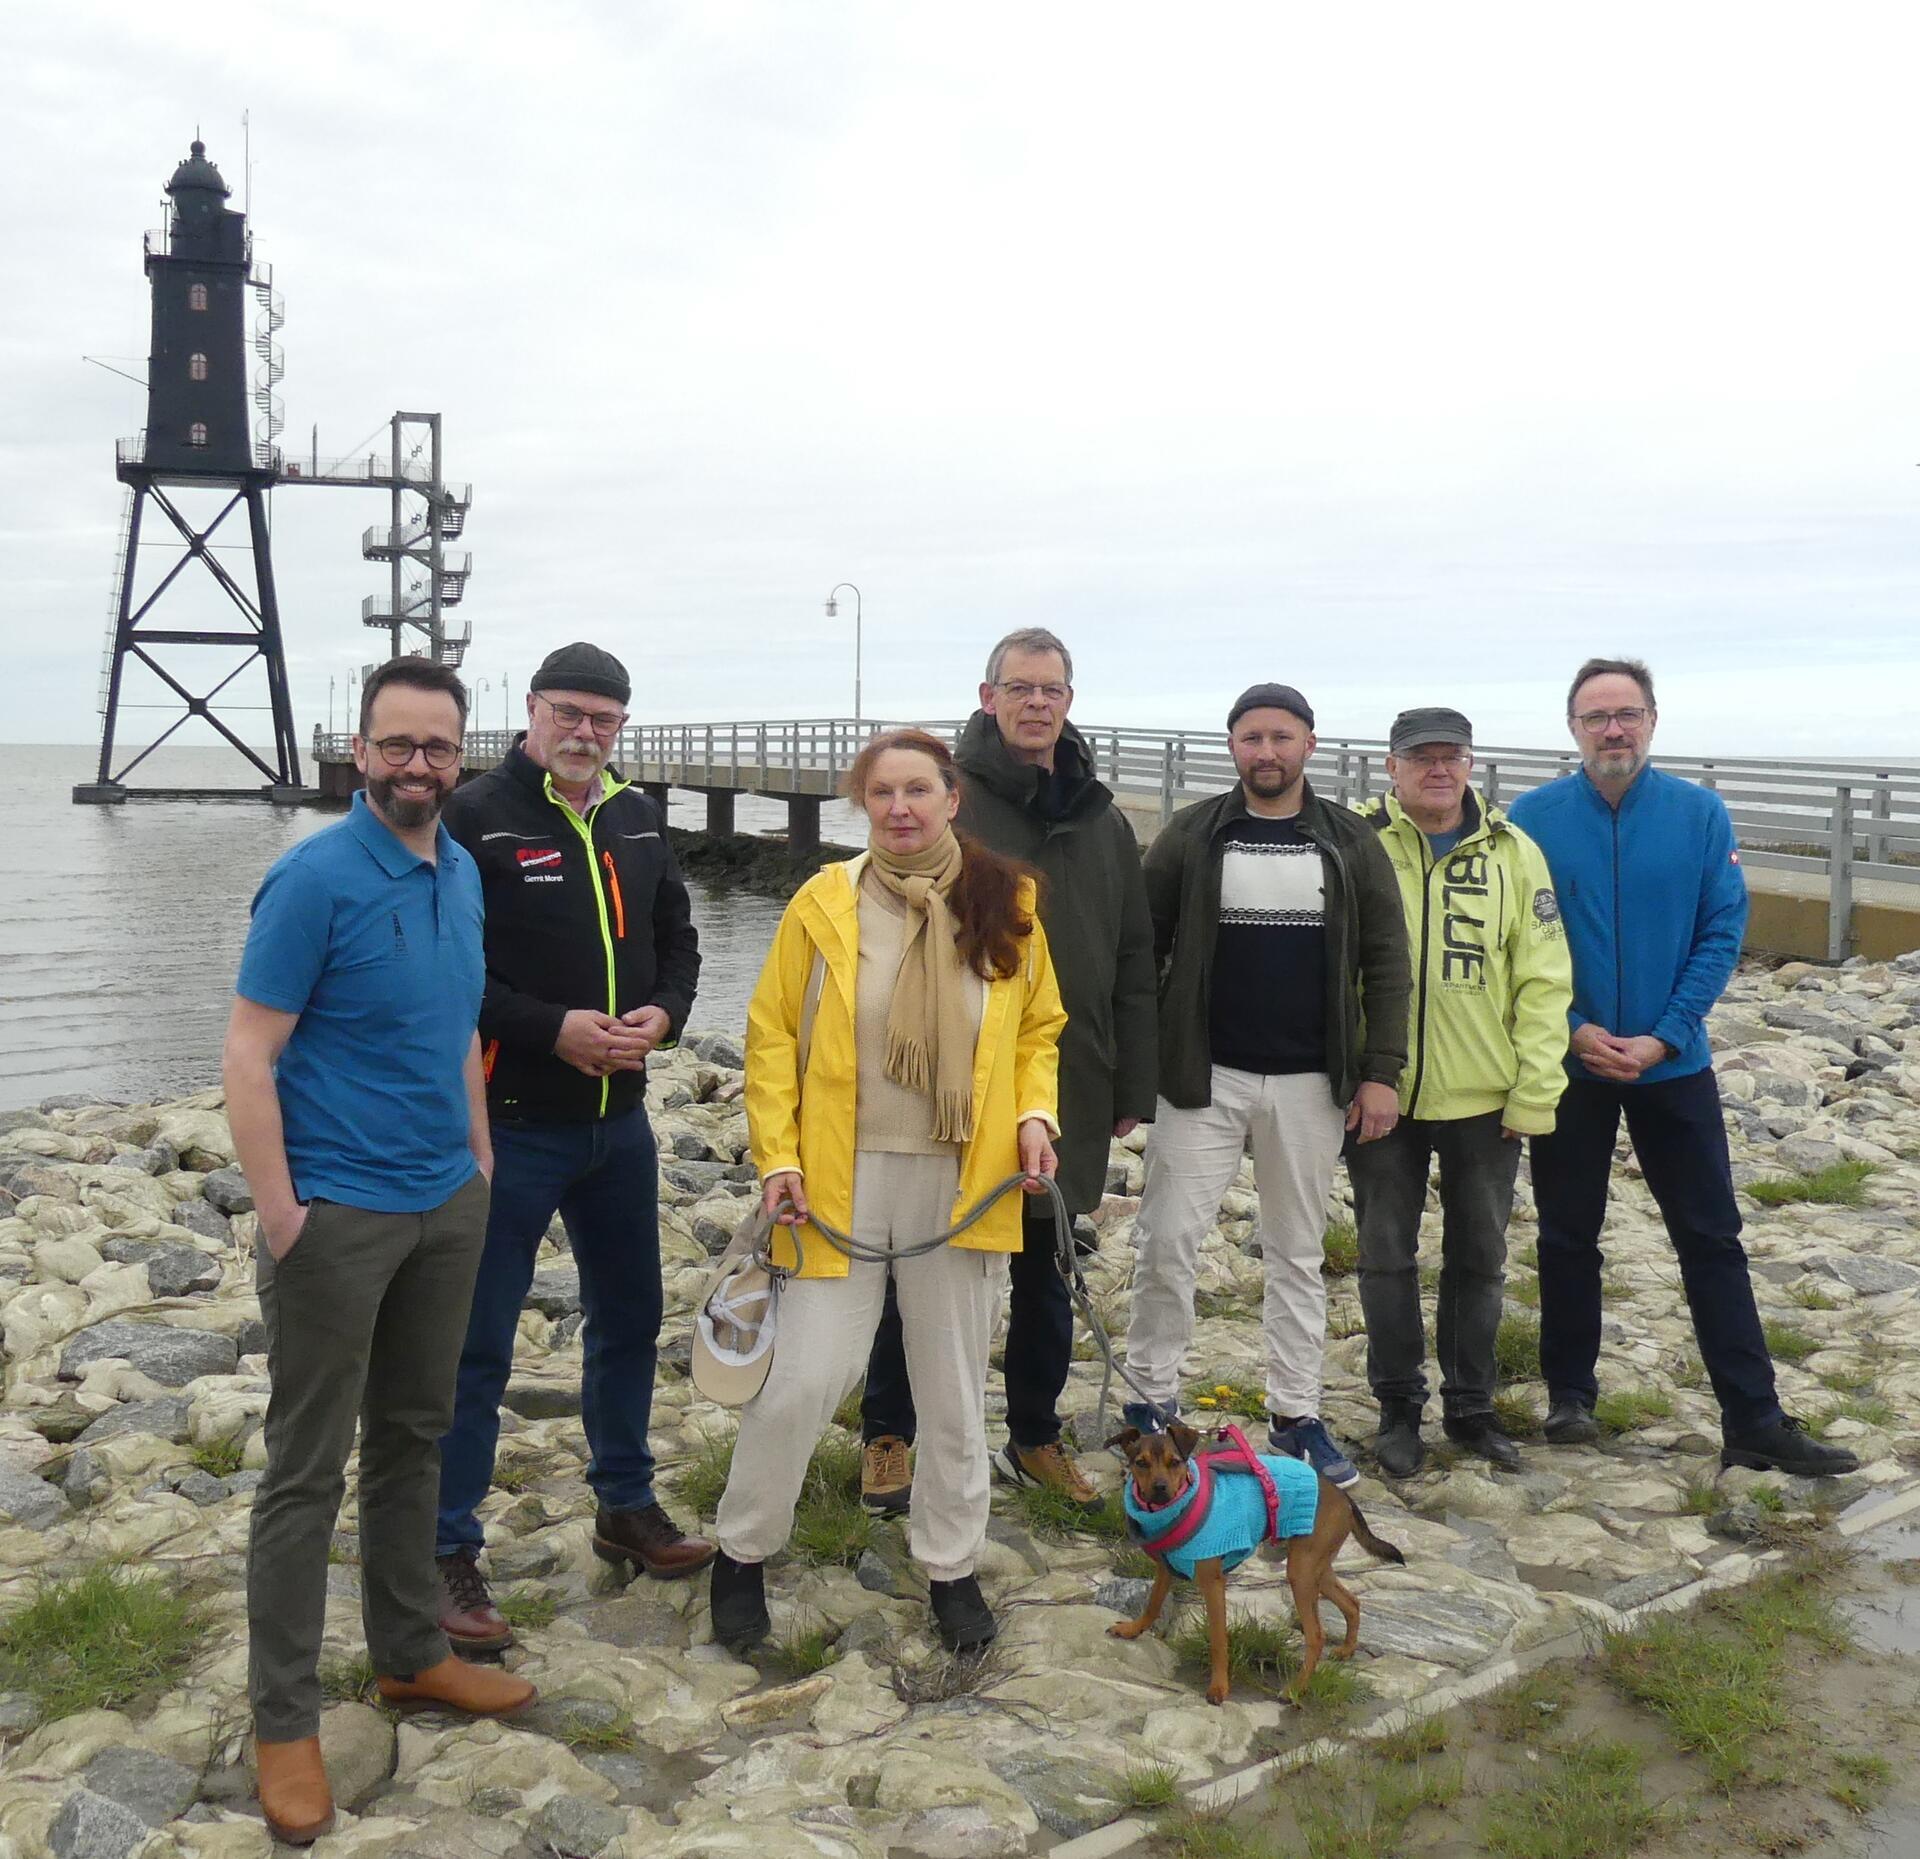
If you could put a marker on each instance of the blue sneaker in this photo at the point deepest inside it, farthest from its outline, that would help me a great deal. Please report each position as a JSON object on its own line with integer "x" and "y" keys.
{"x": 1309, "y": 1439}
{"x": 1149, "y": 1417}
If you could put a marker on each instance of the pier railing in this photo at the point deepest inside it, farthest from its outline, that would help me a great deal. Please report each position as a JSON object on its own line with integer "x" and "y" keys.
{"x": 1839, "y": 823}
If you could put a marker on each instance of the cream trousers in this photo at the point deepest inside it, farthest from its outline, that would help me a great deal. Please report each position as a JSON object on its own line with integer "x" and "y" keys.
{"x": 1295, "y": 1130}
{"x": 948, "y": 1302}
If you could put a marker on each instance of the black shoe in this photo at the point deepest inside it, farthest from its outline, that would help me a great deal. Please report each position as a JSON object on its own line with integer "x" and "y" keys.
{"x": 1483, "y": 1434}
{"x": 1786, "y": 1446}
{"x": 961, "y": 1615}
{"x": 1571, "y": 1423}
{"x": 738, "y": 1599}
{"x": 1397, "y": 1447}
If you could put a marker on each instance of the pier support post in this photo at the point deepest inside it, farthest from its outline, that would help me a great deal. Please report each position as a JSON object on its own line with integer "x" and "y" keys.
{"x": 656, "y": 791}
{"x": 720, "y": 811}
{"x": 803, "y": 825}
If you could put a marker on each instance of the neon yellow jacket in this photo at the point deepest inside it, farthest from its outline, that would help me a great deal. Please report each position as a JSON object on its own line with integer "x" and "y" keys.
{"x": 1016, "y": 1067}
{"x": 1492, "y": 979}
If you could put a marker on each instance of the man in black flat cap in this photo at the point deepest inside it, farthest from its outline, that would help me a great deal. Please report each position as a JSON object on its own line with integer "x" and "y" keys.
{"x": 592, "y": 961}
{"x": 1274, "y": 913}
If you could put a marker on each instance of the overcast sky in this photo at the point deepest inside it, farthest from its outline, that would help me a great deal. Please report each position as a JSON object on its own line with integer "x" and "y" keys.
{"x": 1405, "y": 353}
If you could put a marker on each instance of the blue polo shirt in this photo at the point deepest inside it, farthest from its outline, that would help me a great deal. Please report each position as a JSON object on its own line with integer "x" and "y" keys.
{"x": 379, "y": 952}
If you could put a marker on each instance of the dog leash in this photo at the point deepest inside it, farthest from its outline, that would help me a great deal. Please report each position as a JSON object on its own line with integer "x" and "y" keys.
{"x": 1066, "y": 1261}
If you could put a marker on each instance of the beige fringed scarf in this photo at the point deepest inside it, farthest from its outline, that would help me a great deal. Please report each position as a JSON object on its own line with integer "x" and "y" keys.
{"x": 929, "y": 1031}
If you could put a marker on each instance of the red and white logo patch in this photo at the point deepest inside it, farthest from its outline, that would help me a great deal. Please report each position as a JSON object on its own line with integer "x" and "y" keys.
{"x": 528, "y": 859}
{"x": 1733, "y": 857}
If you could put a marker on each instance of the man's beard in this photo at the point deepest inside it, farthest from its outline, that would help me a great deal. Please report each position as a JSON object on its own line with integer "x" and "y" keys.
{"x": 405, "y": 811}
{"x": 1271, "y": 782}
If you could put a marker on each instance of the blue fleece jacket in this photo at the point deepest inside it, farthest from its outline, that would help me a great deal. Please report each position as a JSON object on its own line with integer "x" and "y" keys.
{"x": 1654, "y": 903}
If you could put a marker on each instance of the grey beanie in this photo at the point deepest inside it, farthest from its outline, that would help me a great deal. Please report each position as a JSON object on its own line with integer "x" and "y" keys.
{"x": 583, "y": 667}
{"x": 1271, "y": 697}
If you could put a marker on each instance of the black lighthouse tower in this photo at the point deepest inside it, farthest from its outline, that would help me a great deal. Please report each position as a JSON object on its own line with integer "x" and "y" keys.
{"x": 200, "y": 454}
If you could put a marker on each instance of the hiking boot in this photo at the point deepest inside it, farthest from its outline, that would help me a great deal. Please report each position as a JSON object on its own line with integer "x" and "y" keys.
{"x": 1307, "y": 1438}
{"x": 453, "y": 1684}
{"x": 886, "y": 1475}
{"x": 1047, "y": 1468}
{"x": 293, "y": 1790}
{"x": 468, "y": 1616}
{"x": 1570, "y": 1422}
{"x": 961, "y": 1615}
{"x": 737, "y": 1601}
{"x": 1786, "y": 1446}
{"x": 1150, "y": 1416}
{"x": 649, "y": 1539}
{"x": 1483, "y": 1434}
{"x": 1397, "y": 1447}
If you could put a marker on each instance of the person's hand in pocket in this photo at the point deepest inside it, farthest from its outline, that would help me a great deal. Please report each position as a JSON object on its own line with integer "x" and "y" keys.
{"x": 281, "y": 1227}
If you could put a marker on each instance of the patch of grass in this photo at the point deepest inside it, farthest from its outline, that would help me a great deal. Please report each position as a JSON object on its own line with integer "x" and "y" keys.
{"x": 1848, "y": 1380}
{"x": 610, "y": 1735}
{"x": 1197, "y": 1835}
{"x": 1840, "y": 1184}
{"x": 1132, "y": 1564}
{"x": 1630, "y": 1409}
{"x": 1428, "y": 1737}
{"x": 349, "y": 1681}
{"x": 1150, "y": 1786}
{"x": 1429, "y": 1276}
{"x": 528, "y": 1607}
{"x": 1793, "y": 1602}
{"x": 943, "y": 1678}
{"x": 1366, "y": 1819}
{"x": 1859, "y": 1780}
{"x": 847, "y": 1414}
{"x": 1516, "y": 1349}
{"x": 219, "y": 1458}
{"x": 101, "y": 1639}
{"x": 1525, "y": 1291}
{"x": 830, "y": 1525}
{"x": 1700, "y": 1498}
{"x": 1870, "y": 1411}
{"x": 1516, "y": 1413}
{"x": 1263, "y": 1655}
{"x": 703, "y": 1478}
{"x": 803, "y": 1652}
{"x": 1345, "y": 1319}
{"x": 1689, "y": 1372}
{"x": 1531, "y": 1708}
{"x": 515, "y": 1475}
{"x": 1807, "y": 1295}
{"x": 1230, "y": 1304}
{"x": 1769, "y": 1498}
{"x": 1054, "y": 1515}
{"x": 1587, "y": 1806}
{"x": 1245, "y": 1399}
{"x": 1340, "y": 1250}
{"x": 1786, "y": 1344}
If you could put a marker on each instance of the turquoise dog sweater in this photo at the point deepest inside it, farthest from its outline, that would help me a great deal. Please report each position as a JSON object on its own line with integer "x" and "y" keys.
{"x": 1237, "y": 1523}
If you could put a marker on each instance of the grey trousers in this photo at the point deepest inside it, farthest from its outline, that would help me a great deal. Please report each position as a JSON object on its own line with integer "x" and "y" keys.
{"x": 365, "y": 1318}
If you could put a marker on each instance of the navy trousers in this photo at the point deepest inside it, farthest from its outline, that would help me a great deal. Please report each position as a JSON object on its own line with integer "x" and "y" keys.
{"x": 1677, "y": 1134}
{"x": 603, "y": 1180}
{"x": 1039, "y": 1345}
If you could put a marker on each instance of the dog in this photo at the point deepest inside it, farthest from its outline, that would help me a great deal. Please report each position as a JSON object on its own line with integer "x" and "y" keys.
{"x": 1162, "y": 1467}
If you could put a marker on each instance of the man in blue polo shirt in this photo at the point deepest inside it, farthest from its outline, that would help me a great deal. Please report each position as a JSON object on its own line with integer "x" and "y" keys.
{"x": 359, "y": 1115}
{"x": 1646, "y": 875}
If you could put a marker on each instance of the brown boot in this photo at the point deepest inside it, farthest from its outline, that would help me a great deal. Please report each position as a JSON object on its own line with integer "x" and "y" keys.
{"x": 468, "y": 1616}
{"x": 294, "y": 1794}
{"x": 651, "y": 1540}
{"x": 479, "y": 1690}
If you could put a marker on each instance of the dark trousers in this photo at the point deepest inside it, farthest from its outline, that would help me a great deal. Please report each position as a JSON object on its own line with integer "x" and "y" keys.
{"x": 364, "y": 1319}
{"x": 1478, "y": 1167}
{"x": 1677, "y": 1133}
{"x": 603, "y": 1179}
{"x": 1039, "y": 1345}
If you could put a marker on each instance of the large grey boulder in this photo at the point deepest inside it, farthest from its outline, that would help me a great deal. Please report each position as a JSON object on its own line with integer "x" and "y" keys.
{"x": 89, "y": 1826}
{"x": 180, "y": 1271}
{"x": 172, "y": 1357}
{"x": 28, "y": 1500}
{"x": 150, "y": 1785}
{"x": 555, "y": 1293}
{"x": 202, "y": 1217}
{"x": 1867, "y": 1275}
{"x": 165, "y": 1418}
{"x": 227, "y": 1189}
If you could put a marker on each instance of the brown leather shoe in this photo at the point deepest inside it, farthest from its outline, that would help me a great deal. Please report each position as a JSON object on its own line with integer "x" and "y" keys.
{"x": 294, "y": 1795}
{"x": 886, "y": 1475}
{"x": 468, "y": 1616}
{"x": 649, "y": 1539}
{"x": 479, "y": 1690}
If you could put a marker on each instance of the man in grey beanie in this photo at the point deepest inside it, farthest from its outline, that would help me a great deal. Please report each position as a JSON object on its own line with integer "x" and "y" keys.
{"x": 592, "y": 961}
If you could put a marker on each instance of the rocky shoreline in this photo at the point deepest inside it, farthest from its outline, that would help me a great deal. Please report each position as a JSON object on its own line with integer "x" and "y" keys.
{"x": 130, "y": 1435}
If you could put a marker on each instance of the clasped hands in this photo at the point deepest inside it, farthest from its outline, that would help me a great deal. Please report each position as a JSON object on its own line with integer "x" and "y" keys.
{"x": 1608, "y": 1055}
{"x": 597, "y": 1043}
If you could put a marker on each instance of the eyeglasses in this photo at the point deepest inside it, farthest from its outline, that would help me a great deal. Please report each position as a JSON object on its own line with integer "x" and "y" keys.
{"x": 398, "y": 751}
{"x": 1450, "y": 758}
{"x": 1594, "y": 721}
{"x": 571, "y": 716}
{"x": 1049, "y": 693}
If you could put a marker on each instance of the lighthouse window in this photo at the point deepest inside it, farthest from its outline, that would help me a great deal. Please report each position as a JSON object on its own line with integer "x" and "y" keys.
{"x": 197, "y": 433}
{"x": 196, "y": 367}
{"x": 196, "y": 296}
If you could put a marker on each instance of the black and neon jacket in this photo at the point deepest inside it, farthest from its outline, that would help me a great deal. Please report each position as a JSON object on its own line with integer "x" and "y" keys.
{"x": 586, "y": 912}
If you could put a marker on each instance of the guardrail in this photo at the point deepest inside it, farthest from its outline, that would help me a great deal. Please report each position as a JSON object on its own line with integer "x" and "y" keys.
{"x": 1844, "y": 823}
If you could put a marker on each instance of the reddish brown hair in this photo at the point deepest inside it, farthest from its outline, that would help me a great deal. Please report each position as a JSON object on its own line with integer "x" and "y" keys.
{"x": 986, "y": 900}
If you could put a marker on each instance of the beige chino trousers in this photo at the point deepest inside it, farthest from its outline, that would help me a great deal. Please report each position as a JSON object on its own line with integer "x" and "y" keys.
{"x": 949, "y": 1299}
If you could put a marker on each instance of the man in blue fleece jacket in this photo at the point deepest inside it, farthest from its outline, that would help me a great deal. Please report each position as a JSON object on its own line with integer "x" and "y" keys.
{"x": 1647, "y": 877}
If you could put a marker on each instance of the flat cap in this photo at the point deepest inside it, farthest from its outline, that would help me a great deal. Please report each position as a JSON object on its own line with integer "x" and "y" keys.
{"x": 1434, "y": 724}
{"x": 1270, "y": 697}
{"x": 583, "y": 667}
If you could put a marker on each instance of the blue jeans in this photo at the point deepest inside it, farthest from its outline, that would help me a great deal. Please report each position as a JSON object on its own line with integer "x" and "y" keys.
{"x": 604, "y": 1181}
{"x": 1681, "y": 1142}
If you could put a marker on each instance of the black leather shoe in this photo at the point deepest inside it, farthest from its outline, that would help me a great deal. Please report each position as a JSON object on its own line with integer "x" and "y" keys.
{"x": 1483, "y": 1434}
{"x": 1787, "y": 1446}
{"x": 961, "y": 1615}
{"x": 738, "y": 1599}
{"x": 1397, "y": 1447}
{"x": 1571, "y": 1423}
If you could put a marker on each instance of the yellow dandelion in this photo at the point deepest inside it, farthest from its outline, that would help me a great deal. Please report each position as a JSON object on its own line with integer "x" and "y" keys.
{"x": 1205, "y": 1400}
{"x": 1223, "y": 1390}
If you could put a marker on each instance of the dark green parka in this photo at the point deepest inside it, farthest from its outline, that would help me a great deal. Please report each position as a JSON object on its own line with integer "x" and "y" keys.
{"x": 1369, "y": 977}
{"x": 1094, "y": 907}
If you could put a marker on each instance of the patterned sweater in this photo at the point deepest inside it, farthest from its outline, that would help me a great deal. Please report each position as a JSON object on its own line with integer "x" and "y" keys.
{"x": 1237, "y": 1523}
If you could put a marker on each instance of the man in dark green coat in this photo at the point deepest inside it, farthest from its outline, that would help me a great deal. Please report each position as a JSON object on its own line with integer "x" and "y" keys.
{"x": 1029, "y": 791}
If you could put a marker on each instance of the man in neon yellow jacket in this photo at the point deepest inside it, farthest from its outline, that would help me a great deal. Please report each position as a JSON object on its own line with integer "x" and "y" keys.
{"x": 1487, "y": 1033}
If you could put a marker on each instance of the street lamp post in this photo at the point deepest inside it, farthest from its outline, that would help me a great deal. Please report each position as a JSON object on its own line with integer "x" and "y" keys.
{"x": 833, "y": 608}
{"x": 478, "y": 712}
{"x": 329, "y": 706}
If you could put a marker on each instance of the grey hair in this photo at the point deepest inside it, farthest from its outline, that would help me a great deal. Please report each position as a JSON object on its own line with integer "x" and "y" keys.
{"x": 1634, "y": 668}
{"x": 1027, "y": 639}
